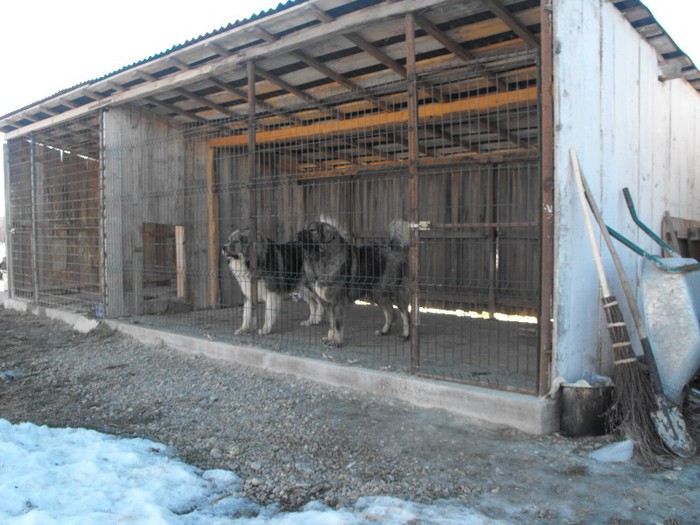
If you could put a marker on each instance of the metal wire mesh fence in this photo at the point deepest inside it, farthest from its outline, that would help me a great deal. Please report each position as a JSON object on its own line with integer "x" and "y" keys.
{"x": 128, "y": 215}
{"x": 56, "y": 215}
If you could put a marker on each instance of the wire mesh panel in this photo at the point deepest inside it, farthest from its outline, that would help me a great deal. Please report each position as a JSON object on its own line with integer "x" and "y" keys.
{"x": 56, "y": 216}
{"x": 21, "y": 254}
{"x": 287, "y": 224}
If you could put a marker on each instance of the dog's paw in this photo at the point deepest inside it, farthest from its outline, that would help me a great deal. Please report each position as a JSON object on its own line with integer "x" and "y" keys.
{"x": 242, "y": 331}
{"x": 307, "y": 323}
{"x": 382, "y": 332}
{"x": 265, "y": 331}
{"x": 331, "y": 343}
{"x": 404, "y": 337}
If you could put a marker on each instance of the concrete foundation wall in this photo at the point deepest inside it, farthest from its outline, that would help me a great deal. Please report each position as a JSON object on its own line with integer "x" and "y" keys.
{"x": 526, "y": 413}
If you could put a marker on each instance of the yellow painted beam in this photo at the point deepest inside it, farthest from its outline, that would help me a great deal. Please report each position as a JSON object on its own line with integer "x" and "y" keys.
{"x": 426, "y": 113}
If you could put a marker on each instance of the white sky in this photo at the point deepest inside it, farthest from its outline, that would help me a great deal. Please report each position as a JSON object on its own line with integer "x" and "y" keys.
{"x": 49, "y": 45}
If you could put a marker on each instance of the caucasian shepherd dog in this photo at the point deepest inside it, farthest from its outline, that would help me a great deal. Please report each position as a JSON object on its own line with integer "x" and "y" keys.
{"x": 341, "y": 272}
{"x": 280, "y": 271}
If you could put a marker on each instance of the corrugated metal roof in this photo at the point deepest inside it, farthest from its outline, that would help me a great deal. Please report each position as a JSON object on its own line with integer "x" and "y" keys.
{"x": 674, "y": 62}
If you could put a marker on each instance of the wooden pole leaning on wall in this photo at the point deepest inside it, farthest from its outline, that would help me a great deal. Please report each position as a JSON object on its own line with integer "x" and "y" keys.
{"x": 412, "y": 91}
{"x": 252, "y": 181}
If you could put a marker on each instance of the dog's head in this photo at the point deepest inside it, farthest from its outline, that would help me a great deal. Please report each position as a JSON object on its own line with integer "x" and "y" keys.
{"x": 238, "y": 245}
{"x": 317, "y": 233}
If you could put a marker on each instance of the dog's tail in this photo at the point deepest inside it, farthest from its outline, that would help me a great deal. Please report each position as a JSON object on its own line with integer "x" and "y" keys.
{"x": 399, "y": 233}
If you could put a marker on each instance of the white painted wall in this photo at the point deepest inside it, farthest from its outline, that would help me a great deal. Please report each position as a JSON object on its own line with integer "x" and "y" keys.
{"x": 629, "y": 129}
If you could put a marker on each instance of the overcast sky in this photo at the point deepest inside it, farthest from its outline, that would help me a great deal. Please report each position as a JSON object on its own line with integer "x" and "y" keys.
{"x": 50, "y": 45}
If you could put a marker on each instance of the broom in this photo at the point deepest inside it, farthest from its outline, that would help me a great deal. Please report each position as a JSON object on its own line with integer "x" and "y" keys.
{"x": 633, "y": 395}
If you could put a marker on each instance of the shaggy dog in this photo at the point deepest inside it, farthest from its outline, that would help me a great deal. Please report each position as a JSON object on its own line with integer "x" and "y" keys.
{"x": 341, "y": 272}
{"x": 279, "y": 271}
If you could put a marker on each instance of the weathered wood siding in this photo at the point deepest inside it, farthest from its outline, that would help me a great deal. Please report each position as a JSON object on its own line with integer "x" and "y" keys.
{"x": 630, "y": 130}
{"x": 144, "y": 183}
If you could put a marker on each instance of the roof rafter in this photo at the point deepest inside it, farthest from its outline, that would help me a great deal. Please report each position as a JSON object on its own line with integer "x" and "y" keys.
{"x": 333, "y": 112}
{"x": 498, "y": 9}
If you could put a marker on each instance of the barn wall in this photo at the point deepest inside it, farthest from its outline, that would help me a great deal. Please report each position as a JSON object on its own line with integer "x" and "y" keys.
{"x": 630, "y": 130}
{"x": 144, "y": 183}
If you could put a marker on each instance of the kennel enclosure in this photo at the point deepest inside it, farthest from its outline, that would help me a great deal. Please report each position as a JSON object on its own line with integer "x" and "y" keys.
{"x": 450, "y": 115}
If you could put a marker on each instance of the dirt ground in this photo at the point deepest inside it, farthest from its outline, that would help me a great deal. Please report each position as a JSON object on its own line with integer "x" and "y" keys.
{"x": 296, "y": 441}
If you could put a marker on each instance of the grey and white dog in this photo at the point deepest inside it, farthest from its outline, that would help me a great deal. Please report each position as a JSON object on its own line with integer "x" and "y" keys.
{"x": 279, "y": 271}
{"x": 340, "y": 272}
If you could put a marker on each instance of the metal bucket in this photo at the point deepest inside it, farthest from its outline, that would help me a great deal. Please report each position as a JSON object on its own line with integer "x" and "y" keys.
{"x": 583, "y": 408}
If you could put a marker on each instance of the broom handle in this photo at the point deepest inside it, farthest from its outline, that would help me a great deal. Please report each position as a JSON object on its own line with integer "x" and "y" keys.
{"x": 578, "y": 177}
{"x": 627, "y": 289}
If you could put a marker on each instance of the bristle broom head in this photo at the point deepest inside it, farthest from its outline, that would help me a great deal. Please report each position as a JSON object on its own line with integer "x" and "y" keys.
{"x": 633, "y": 395}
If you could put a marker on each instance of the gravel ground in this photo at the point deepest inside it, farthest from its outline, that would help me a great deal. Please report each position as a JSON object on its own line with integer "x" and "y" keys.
{"x": 294, "y": 441}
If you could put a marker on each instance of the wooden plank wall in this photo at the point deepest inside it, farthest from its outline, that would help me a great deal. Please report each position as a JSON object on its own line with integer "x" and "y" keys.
{"x": 630, "y": 130}
{"x": 457, "y": 264}
{"x": 144, "y": 183}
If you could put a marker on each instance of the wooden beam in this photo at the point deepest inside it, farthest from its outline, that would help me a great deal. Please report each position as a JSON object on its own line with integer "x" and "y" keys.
{"x": 376, "y": 53}
{"x": 412, "y": 120}
{"x": 251, "y": 140}
{"x": 208, "y": 103}
{"x": 547, "y": 203}
{"x": 339, "y": 79}
{"x": 303, "y": 95}
{"x": 212, "y": 216}
{"x": 363, "y": 44}
{"x": 451, "y": 45}
{"x": 180, "y": 262}
{"x": 427, "y": 113}
{"x": 519, "y": 29}
{"x": 269, "y": 107}
{"x": 174, "y": 109}
{"x": 309, "y": 36}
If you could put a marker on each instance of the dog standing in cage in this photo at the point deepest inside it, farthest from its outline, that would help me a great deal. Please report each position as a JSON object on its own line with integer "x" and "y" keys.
{"x": 279, "y": 271}
{"x": 342, "y": 272}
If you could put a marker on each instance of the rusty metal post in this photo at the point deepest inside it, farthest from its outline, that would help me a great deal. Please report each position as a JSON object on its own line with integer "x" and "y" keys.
{"x": 252, "y": 181}
{"x": 547, "y": 199}
{"x": 413, "y": 159}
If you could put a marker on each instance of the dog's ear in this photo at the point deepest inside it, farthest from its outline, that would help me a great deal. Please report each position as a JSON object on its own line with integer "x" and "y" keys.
{"x": 328, "y": 233}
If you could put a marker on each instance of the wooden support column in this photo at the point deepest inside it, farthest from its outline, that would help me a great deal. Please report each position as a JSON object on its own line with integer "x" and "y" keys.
{"x": 180, "y": 265}
{"x": 413, "y": 159}
{"x": 35, "y": 218}
{"x": 8, "y": 223}
{"x": 492, "y": 237}
{"x": 212, "y": 207}
{"x": 252, "y": 180}
{"x": 547, "y": 200}
{"x": 101, "y": 226}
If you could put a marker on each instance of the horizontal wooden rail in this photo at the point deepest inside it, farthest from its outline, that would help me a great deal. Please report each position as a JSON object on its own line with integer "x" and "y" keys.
{"x": 426, "y": 113}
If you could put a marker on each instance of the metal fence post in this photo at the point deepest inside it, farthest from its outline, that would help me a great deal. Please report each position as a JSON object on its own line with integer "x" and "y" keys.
{"x": 252, "y": 180}
{"x": 412, "y": 89}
